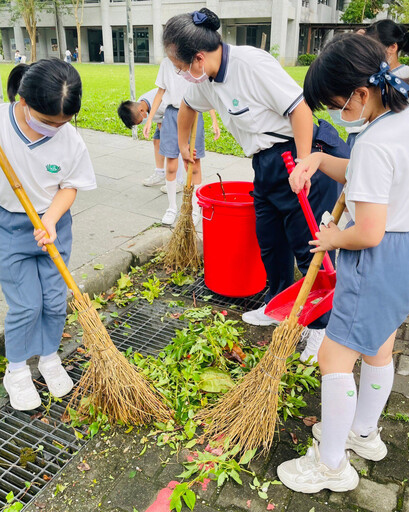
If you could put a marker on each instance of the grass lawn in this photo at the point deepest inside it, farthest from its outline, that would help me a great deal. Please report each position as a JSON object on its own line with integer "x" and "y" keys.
{"x": 105, "y": 86}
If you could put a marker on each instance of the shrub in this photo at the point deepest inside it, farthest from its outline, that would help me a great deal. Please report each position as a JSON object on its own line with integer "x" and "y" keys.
{"x": 404, "y": 61}
{"x": 306, "y": 59}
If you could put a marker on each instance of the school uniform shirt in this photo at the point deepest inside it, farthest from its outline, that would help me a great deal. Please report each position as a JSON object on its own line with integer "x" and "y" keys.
{"x": 401, "y": 71}
{"x": 43, "y": 166}
{"x": 148, "y": 98}
{"x": 378, "y": 169}
{"x": 175, "y": 85}
{"x": 252, "y": 94}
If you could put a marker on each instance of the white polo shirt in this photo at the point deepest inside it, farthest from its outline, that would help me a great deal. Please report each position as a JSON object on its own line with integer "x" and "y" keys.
{"x": 401, "y": 71}
{"x": 148, "y": 98}
{"x": 175, "y": 85}
{"x": 378, "y": 169}
{"x": 43, "y": 166}
{"x": 252, "y": 94}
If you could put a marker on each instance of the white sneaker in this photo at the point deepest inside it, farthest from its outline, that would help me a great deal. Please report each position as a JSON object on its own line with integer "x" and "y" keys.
{"x": 370, "y": 448}
{"x": 57, "y": 379}
{"x": 197, "y": 216}
{"x": 169, "y": 217}
{"x": 257, "y": 317}
{"x": 20, "y": 387}
{"x": 309, "y": 475}
{"x": 157, "y": 178}
{"x": 314, "y": 340}
{"x": 179, "y": 188}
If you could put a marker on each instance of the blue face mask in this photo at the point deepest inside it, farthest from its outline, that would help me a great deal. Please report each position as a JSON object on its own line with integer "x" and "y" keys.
{"x": 336, "y": 116}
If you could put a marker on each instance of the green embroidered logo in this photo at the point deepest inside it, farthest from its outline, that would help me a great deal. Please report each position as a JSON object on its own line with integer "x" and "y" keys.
{"x": 350, "y": 393}
{"x": 375, "y": 386}
{"x": 235, "y": 103}
{"x": 53, "y": 168}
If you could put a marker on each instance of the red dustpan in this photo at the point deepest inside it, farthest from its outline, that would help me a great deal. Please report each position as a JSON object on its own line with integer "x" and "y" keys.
{"x": 319, "y": 300}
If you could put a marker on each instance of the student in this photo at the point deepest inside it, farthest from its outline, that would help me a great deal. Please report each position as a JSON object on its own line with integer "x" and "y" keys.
{"x": 101, "y": 53}
{"x": 52, "y": 163}
{"x": 17, "y": 57}
{"x": 263, "y": 108}
{"x": 371, "y": 299}
{"x": 67, "y": 57}
{"x": 171, "y": 87}
{"x": 134, "y": 113}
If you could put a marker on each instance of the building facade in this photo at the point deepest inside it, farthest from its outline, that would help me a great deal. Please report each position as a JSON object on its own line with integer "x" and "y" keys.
{"x": 283, "y": 22}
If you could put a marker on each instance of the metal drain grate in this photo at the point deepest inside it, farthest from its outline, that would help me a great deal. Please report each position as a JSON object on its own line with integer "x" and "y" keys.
{"x": 202, "y": 292}
{"x": 140, "y": 327}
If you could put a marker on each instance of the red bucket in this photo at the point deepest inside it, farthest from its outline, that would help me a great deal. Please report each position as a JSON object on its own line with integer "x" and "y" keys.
{"x": 232, "y": 261}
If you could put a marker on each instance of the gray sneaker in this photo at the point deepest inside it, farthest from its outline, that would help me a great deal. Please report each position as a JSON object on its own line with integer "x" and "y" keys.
{"x": 370, "y": 448}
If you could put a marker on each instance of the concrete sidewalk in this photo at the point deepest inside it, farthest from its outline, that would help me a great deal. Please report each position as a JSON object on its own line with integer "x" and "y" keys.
{"x": 106, "y": 220}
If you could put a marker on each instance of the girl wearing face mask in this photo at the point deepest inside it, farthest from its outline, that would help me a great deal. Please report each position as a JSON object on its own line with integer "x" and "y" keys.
{"x": 172, "y": 85}
{"x": 52, "y": 163}
{"x": 264, "y": 109}
{"x": 352, "y": 79}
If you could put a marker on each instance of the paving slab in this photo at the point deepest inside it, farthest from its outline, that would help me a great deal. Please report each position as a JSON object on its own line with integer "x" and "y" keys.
{"x": 369, "y": 495}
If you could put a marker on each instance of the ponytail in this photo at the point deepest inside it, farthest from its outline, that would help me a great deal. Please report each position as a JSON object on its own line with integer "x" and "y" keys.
{"x": 14, "y": 80}
{"x": 185, "y": 35}
{"x": 388, "y": 33}
{"x": 49, "y": 86}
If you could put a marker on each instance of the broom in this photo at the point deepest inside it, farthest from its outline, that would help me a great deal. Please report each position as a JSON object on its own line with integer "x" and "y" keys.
{"x": 247, "y": 413}
{"x": 181, "y": 251}
{"x": 110, "y": 383}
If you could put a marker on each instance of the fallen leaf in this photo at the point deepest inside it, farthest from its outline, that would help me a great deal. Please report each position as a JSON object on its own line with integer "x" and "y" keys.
{"x": 224, "y": 312}
{"x": 69, "y": 367}
{"x": 40, "y": 506}
{"x": 310, "y": 420}
{"x": 270, "y": 506}
{"x": 83, "y": 466}
{"x": 66, "y": 335}
{"x": 46, "y": 477}
{"x": 99, "y": 266}
{"x": 294, "y": 438}
{"x": 45, "y": 420}
{"x": 81, "y": 350}
{"x": 262, "y": 343}
{"x": 248, "y": 504}
{"x": 36, "y": 416}
{"x": 175, "y": 315}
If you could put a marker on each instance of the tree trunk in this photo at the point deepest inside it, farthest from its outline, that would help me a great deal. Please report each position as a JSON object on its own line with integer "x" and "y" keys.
{"x": 79, "y": 42}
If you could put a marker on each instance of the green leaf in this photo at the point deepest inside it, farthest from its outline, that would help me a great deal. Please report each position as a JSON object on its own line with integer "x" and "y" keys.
{"x": 114, "y": 314}
{"x": 263, "y": 495}
{"x": 124, "y": 282}
{"x": 256, "y": 482}
{"x": 190, "y": 499}
{"x": 214, "y": 380}
{"x": 233, "y": 473}
{"x": 191, "y": 443}
{"x": 190, "y": 428}
{"x": 222, "y": 478}
{"x": 10, "y": 497}
{"x": 132, "y": 474}
{"x": 248, "y": 456}
{"x": 99, "y": 266}
{"x": 3, "y": 392}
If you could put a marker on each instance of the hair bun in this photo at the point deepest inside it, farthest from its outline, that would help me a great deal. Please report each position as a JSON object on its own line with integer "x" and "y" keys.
{"x": 212, "y": 22}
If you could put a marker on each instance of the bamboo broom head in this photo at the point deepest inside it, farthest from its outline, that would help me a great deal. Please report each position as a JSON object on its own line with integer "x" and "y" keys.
{"x": 112, "y": 385}
{"x": 181, "y": 252}
{"x": 247, "y": 413}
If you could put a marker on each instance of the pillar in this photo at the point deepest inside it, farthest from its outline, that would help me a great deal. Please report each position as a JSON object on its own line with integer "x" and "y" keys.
{"x": 5, "y": 35}
{"x": 42, "y": 44}
{"x": 19, "y": 39}
{"x": 106, "y": 33}
{"x": 279, "y": 22}
{"x": 158, "y": 52}
{"x": 84, "y": 45}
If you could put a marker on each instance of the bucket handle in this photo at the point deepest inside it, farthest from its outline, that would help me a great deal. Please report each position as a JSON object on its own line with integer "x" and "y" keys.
{"x": 206, "y": 205}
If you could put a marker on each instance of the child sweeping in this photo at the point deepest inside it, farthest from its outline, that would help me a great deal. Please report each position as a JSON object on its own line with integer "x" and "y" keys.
{"x": 52, "y": 163}
{"x": 171, "y": 89}
{"x": 264, "y": 109}
{"x": 352, "y": 78}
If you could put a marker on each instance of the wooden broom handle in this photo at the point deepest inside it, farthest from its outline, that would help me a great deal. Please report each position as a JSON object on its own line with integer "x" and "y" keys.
{"x": 315, "y": 265}
{"x": 192, "y": 144}
{"x": 36, "y": 221}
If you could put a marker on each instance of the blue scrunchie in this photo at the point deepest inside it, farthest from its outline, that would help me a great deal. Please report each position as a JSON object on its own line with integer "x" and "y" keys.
{"x": 198, "y": 17}
{"x": 383, "y": 77}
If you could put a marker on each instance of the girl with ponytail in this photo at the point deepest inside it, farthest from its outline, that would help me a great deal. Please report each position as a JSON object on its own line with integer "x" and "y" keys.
{"x": 52, "y": 163}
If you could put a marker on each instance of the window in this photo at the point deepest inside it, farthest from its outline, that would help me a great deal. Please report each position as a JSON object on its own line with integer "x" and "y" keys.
{"x": 340, "y": 5}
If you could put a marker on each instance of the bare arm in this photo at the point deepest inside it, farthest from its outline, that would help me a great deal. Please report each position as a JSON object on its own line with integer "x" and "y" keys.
{"x": 186, "y": 118}
{"x": 61, "y": 203}
{"x": 368, "y": 231}
{"x": 302, "y": 125}
{"x": 215, "y": 124}
{"x": 154, "y": 108}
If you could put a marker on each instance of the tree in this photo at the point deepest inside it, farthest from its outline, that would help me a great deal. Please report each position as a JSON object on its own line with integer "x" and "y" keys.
{"x": 399, "y": 10}
{"x": 78, "y": 6}
{"x": 358, "y": 10}
{"x": 28, "y": 9}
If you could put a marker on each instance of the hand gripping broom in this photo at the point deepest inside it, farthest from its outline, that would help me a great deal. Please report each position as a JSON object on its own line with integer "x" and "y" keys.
{"x": 110, "y": 382}
{"x": 181, "y": 251}
{"x": 247, "y": 413}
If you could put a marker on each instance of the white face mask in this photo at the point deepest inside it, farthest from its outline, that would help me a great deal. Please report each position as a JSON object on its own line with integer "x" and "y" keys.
{"x": 39, "y": 127}
{"x": 187, "y": 75}
{"x": 336, "y": 116}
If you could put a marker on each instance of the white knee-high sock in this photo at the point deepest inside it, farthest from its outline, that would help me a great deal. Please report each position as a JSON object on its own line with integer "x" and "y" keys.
{"x": 195, "y": 206}
{"x": 171, "y": 190}
{"x": 375, "y": 386}
{"x": 16, "y": 366}
{"x": 338, "y": 398}
{"x": 43, "y": 359}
